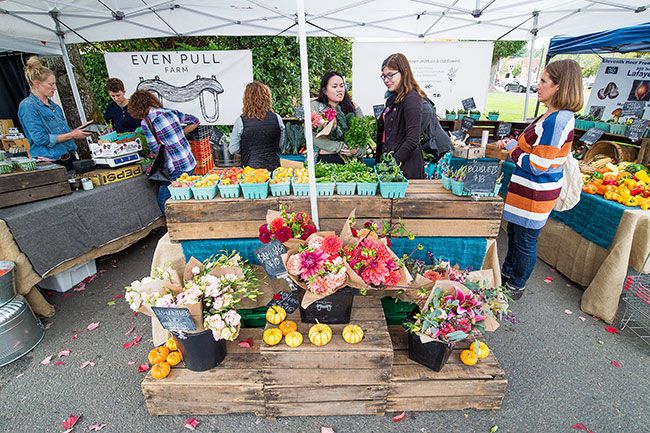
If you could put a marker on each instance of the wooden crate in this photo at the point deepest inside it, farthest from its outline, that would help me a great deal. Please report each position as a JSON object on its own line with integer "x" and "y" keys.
{"x": 414, "y": 387}
{"x": 18, "y": 187}
{"x": 336, "y": 379}
{"x": 235, "y": 386}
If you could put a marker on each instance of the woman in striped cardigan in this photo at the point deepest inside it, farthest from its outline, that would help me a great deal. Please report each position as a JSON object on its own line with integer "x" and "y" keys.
{"x": 539, "y": 154}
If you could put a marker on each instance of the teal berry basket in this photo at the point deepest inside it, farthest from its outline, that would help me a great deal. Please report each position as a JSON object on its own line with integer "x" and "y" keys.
{"x": 475, "y": 116}
{"x": 457, "y": 187}
{"x": 393, "y": 189}
{"x": 450, "y": 116}
{"x": 204, "y": 192}
{"x": 300, "y": 189}
{"x": 603, "y": 126}
{"x": 325, "y": 188}
{"x": 255, "y": 191}
{"x": 446, "y": 182}
{"x": 345, "y": 188}
{"x": 367, "y": 188}
{"x": 280, "y": 189}
{"x": 617, "y": 128}
{"x": 493, "y": 117}
{"x": 229, "y": 191}
{"x": 180, "y": 192}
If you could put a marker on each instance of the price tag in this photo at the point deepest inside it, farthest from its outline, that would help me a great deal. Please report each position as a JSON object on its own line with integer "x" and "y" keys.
{"x": 591, "y": 136}
{"x": 468, "y": 104}
{"x": 175, "y": 319}
{"x": 636, "y": 130}
{"x": 481, "y": 176}
{"x": 504, "y": 129}
{"x": 633, "y": 109}
{"x": 269, "y": 256}
{"x": 467, "y": 123}
{"x": 377, "y": 109}
{"x": 299, "y": 112}
{"x": 287, "y": 300}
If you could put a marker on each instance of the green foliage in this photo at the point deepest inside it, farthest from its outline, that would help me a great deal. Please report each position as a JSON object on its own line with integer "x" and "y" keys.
{"x": 516, "y": 71}
{"x": 360, "y": 131}
{"x": 507, "y": 49}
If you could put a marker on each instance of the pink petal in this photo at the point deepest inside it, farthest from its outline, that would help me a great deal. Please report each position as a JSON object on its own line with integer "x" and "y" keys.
{"x": 63, "y": 353}
{"x": 131, "y": 362}
{"x": 117, "y": 296}
{"x": 96, "y": 427}
{"x": 581, "y": 318}
{"x": 247, "y": 344}
{"x": 92, "y": 326}
{"x": 327, "y": 430}
{"x": 611, "y": 329}
{"x": 580, "y": 426}
{"x": 131, "y": 329}
{"x": 59, "y": 363}
{"x": 568, "y": 312}
{"x": 74, "y": 337}
{"x": 68, "y": 430}
{"x": 191, "y": 423}
{"x": 70, "y": 421}
{"x": 137, "y": 340}
{"x": 66, "y": 295}
{"x": 47, "y": 360}
{"x": 87, "y": 364}
{"x": 616, "y": 364}
{"x": 400, "y": 417}
{"x": 277, "y": 297}
{"x": 143, "y": 367}
{"x": 79, "y": 287}
{"x": 548, "y": 280}
{"x": 128, "y": 345}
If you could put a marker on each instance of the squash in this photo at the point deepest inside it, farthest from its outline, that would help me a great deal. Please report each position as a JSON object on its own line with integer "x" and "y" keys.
{"x": 352, "y": 334}
{"x": 288, "y": 326}
{"x": 468, "y": 357}
{"x": 483, "y": 350}
{"x": 293, "y": 339}
{"x": 174, "y": 358}
{"x": 158, "y": 355}
{"x": 275, "y": 315}
{"x": 171, "y": 344}
{"x": 320, "y": 334}
{"x": 160, "y": 370}
{"x": 272, "y": 336}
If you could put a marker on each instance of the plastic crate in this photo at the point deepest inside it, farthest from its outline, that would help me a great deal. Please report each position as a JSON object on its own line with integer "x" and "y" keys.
{"x": 300, "y": 189}
{"x": 253, "y": 317}
{"x": 280, "y": 189}
{"x": 205, "y": 192}
{"x": 345, "y": 188}
{"x": 255, "y": 191}
{"x": 446, "y": 182}
{"x": 229, "y": 191}
{"x": 397, "y": 312}
{"x": 325, "y": 188}
{"x": 393, "y": 189}
{"x": 180, "y": 192}
{"x": 367, "y": 188}
{"x": 70, "y": 278}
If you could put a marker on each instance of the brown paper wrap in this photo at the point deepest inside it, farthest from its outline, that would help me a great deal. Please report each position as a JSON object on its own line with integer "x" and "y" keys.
{"x": 291, "y": 243}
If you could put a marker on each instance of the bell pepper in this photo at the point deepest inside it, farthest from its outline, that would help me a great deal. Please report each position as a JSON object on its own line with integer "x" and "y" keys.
{"x": 631, "y": 201}
{"x": 633, "y": 168}
{"x": 645, "y": 205}
{"x": 609, "y": 195}
{"x": 636, "y": 190}
{"x": 623, "y": 175}
{"x": 646, "y": 193}
{"x": 590, "y": 188}
{"x": 600, "y": 189}
{"x": 642, "y": 175}
{"x": 596, "y": 175}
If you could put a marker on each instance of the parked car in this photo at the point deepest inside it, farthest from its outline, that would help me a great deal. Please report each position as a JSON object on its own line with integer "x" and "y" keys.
{"x": 516, "y": 86}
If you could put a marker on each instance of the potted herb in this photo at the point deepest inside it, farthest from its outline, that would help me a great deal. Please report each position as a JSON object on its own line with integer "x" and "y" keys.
{"x": 461, "y": 113}
{"x": 446, "y": 179}
{"x": 392, "y": 183}
{"x": 475, "y": 114}
{"x": 493, "y": 115}
{"x": 617, "y": 128}
{"x": 450, "y": 115}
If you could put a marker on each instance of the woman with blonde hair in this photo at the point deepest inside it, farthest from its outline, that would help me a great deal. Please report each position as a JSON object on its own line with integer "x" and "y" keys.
{"x": 43, "y": 120}
{"x": 258, "y": 133}
{"x": 539, "y": 155}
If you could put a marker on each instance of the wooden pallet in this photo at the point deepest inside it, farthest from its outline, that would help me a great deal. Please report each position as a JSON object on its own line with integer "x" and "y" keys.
{"x": 336, "y": 379}
{"x": 18, "y": 187}
{"x": 414, "y": 387}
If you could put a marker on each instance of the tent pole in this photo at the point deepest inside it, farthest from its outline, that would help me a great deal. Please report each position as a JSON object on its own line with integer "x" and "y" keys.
{"x": 304, "y": 79}
{"x": 539, "y": 75}
{"x": 68, "y": 67}
{"x": 530, "y": 62}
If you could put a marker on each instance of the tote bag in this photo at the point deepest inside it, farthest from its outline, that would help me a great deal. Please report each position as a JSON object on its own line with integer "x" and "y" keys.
{"x": 571, "y": 185}
{"x": 158, "y": 171}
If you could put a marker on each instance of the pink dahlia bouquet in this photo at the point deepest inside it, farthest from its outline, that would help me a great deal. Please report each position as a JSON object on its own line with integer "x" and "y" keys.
{"x": 285, "y": 226}
{"x": 321, "y": 120}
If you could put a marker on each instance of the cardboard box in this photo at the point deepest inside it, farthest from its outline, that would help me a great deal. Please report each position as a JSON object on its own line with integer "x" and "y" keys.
{"x": 21, "y": 142}
{"x": 491, "y": 151}
{"x": 469, "y": 152}
{"x": 5, "y": 124}
{"x": 104, "y": 176}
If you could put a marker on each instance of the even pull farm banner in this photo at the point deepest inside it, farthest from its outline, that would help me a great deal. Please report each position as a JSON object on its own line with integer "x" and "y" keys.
{"x": 208, "y": 84}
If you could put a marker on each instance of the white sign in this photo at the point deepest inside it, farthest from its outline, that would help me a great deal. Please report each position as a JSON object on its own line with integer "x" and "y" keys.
{"x": 447, "y": 71}
{"x": 620, "y": 82}
{"x": 208, "y": 84}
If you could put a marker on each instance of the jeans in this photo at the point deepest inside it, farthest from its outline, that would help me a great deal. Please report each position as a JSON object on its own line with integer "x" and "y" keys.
{"x": 163, "y": 190}
{"x": 522, "y": 255}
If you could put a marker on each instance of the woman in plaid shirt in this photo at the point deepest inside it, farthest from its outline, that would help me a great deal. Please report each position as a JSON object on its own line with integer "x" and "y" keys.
{"x": 168, "y": 129}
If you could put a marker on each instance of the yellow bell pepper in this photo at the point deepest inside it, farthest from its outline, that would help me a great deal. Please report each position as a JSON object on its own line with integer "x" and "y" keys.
{"x": 630, "y": 183}
{"x": 645, "y": 205}
{"x": 642, "y": 175}
{"x": 631, "y": 201}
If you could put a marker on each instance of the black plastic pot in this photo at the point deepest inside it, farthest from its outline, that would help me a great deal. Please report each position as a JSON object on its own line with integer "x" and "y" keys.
{"x": 200, "y": 351}
{"x": 433, "y": 354}
{"x": 333, "y": 309}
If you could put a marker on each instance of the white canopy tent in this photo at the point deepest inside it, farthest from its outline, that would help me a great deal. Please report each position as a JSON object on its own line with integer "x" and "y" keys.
{"x": 71, "y": 21}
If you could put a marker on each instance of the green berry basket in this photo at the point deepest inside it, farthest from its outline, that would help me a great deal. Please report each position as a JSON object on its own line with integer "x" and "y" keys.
{"x": 325, "y": 188}
{"x": 345, "y": 188}
{"x": 255, "y": 191}
{"x": 229, "y": 191}
{"x": 393, "y": 189}
{"x": 204, "y": 192}
{"x": 280, "y": 189}
{"x": 300, "y": 189}
{"x": 367, "y": 188}
{"x": 180, "y": 192}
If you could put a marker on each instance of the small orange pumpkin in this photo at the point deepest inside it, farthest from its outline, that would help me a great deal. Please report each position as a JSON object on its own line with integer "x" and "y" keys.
{"x": 288, "y": 326}
{"x": 158, "y": 355}
{"x": 161, "y": 370}
{"x": 174, "y": 358}
{"x": 171, "y": 344}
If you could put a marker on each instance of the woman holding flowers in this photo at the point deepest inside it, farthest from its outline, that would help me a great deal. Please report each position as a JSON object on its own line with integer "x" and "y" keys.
{"x": 333, "y": 103}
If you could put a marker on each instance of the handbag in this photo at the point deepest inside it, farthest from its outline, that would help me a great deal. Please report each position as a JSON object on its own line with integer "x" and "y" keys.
{"x": 571, "y": 185}
{"x": 158, "y": 171}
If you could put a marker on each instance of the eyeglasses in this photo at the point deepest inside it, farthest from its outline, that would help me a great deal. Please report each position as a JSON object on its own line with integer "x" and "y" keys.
{"x": 388, "y": 77}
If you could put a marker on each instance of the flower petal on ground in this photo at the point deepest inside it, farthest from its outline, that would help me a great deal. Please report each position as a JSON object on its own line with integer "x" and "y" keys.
{"x": 70, "y": 421}
{"x": 47, "y": 360}
{"x": 247, "y": 344}
{"x": 580, "y": 426}
{"x": 59, "y": 363}
{"x": 143, "y": 367}
{"x": 327, "y": 430}
{"x": 616, "y": 364}
{"x": 568, "y": 312}
{"x": 191, "y": 423}
{"x": 131, "y": 362}
{"x": 611, "y": 329}
{"x": 96, "y": 427}
{"x": 131, "y": 329}
{"x": 92, "y": 326}
{"x": 548, "y": 280}
{"x": 400, "y": 417}
{"x": 87, "y": 364}
{"x": 63, "y": 353}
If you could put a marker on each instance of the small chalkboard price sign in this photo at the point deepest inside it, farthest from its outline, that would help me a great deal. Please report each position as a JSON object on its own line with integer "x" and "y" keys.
{"x": 591, "y": 136}
{"x": 377, "y": 109}
{"x": 467, "y": 123}
{"x": 468, "y": 104}
{"x": 633, "y": 108}
{"x": 636, "y": 129}
{"x": 481, "y": 176}
{"x": 175, "y": 319}
{"x": 286, "y": 300}
{"x": 269, "y": 256}
{"x": 504, "y": 129}
{"x": 299, "y": 112}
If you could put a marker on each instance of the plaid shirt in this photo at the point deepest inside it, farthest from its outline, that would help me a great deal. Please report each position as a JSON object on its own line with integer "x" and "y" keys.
{"x": 167, "y": 124}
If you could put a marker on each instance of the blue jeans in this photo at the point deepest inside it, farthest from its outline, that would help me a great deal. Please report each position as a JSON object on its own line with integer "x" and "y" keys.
{"x": 522, "y": 255}
{"x": 163, "y": 190}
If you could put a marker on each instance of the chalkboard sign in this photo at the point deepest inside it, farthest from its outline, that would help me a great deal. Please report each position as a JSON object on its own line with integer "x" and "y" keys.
{"x": 175, "y": 319}
{"x": 469, "y": 104}
{"x": 592, "y": 135}
{"x": 636, "y": 129}
{"x": 481, "y": 176}
{"x": 467, "y": 123}
{"x": 299, "y": 112}
{"x": 504, "y": 129}
{"x": 459, "y": 135}
{"x": 377, "y": 109}
{"x": 633, "y": 108}
{"x": 287, "y": 300}
{"x": 269, "y": 256}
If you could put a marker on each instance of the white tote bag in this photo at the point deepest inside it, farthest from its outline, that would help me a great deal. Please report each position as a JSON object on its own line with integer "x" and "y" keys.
{"x": 571, "y": 185}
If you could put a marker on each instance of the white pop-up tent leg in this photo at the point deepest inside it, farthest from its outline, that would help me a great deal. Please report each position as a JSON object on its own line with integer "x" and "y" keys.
{"x": 304, "y": 79}
{"x": 68, "y": 67}
{"x": 530, "y": 62}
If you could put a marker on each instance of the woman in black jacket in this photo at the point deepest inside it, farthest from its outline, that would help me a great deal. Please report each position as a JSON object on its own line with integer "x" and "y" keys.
{"x": 398, "y": 127}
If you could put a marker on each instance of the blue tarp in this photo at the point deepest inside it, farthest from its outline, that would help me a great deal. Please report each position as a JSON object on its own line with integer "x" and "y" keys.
{"x": 623, "y": 40}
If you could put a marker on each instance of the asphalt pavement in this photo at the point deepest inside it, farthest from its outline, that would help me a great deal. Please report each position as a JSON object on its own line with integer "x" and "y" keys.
{"x": 558, "y": 362}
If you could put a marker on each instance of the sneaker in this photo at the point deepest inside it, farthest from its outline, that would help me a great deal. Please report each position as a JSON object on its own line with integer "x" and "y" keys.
{"x": 515, "y": 293}
{"x": 504, "y": 279}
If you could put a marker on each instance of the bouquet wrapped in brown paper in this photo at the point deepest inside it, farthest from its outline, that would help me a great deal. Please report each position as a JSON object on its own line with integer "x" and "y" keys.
{"x": 290, "y": 228}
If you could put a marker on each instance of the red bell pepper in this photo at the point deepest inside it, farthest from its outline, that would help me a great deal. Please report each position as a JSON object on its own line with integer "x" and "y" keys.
{"x": 636, "y": 190}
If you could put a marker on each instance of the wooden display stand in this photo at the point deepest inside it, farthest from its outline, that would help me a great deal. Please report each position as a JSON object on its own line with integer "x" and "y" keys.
{"x": 18, "y": 187}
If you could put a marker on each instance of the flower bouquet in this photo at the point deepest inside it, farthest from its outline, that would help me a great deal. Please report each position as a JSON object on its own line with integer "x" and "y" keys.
{"x": 290, "y": 228}
{"x": 323, "y": 122}
{"x": 153, "y": 291}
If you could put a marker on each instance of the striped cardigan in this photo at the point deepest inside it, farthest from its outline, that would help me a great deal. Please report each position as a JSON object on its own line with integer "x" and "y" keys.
{"x": 539, "y": 155}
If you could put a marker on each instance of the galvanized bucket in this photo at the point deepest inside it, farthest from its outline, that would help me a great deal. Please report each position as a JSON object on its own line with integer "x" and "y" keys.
{"x": 20, "y": 330}
{"x": 7, "y": 291}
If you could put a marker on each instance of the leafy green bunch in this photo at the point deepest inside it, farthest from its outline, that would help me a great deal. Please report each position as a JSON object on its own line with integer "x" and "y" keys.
{"x": 388, "y": 169}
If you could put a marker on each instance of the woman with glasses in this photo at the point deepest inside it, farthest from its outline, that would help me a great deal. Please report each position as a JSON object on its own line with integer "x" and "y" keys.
{"x": 332, "y": 94}
{"x": 398, "y": 127}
